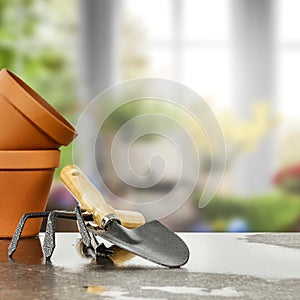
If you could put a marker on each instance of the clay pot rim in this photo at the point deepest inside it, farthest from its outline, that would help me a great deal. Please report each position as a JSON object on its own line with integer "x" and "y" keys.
{"x": 29, "y": 159}
{"x": 37, "y": 109}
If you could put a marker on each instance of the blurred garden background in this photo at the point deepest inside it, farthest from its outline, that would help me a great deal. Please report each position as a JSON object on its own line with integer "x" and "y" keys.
{"x": 241, "y": 56}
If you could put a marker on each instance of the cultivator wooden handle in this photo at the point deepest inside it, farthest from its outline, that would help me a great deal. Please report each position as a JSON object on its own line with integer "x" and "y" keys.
{"x": 91, "y": 200}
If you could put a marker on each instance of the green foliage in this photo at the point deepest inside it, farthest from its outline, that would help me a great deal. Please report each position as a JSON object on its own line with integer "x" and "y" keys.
{"x": 137, "y": 108}
{"x": 65, "y": 159}
{"x": 7, "y": 57}
{"x": 272, "y": 212}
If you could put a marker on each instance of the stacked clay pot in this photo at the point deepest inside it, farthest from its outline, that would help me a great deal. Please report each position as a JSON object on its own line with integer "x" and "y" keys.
{"x": 31, "y": 133}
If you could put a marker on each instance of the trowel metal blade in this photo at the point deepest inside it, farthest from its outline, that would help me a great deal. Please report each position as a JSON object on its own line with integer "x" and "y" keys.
{"x": 152, "y": 241}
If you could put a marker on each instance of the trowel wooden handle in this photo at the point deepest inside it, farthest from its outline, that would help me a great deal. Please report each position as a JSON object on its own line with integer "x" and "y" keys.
{"x": 130, "y": 219}
{"x": 92, "y": 200}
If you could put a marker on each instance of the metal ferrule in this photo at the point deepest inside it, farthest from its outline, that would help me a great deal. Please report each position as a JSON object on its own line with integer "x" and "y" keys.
{"x": 108, "y": 219}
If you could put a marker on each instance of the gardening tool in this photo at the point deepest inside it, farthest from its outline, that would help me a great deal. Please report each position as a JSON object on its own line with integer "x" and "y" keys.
{"x": 152, "y": 241}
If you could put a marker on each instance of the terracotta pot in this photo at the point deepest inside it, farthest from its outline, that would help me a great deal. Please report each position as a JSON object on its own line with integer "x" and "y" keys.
{"x": 27, "y": 121}
{"x": 29, "y": 251}
{"x": 25, "y": 181}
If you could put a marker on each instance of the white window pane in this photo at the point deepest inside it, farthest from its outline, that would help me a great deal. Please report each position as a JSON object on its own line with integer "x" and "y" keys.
{"x": 153, "y": 62}
{"x": 208, "y": 72}
{"x": 153, "y": 15}
{"x": 160, "y": 62}
{"x": 288, "y": 77}
{"x": 288, "y": 20}
{"x": 206, "y": 19}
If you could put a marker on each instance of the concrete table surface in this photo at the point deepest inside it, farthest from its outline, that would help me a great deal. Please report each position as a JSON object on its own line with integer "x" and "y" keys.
{"x": 221, "y": 266}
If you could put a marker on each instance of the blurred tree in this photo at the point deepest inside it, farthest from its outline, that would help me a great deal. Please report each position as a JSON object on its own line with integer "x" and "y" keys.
{"x": 35, "y": 39}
